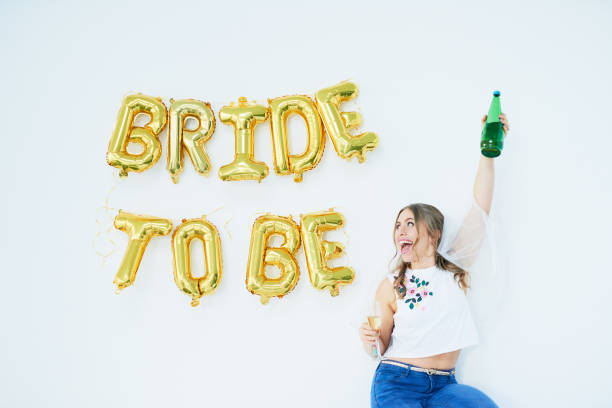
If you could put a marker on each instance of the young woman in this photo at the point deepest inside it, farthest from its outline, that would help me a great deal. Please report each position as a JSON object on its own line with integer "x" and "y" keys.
{"x": 425, "y": 316}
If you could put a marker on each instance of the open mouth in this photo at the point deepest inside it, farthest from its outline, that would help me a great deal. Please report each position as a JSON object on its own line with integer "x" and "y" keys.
{"x": 405, "y": 246}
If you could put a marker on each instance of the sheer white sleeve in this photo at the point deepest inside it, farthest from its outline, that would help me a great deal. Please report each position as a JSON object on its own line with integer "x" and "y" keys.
{"x": 462, "y": 242}
{"x": 471, "y": 243}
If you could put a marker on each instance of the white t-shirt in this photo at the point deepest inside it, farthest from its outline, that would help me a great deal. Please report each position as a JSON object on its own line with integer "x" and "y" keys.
{"x": 433, "y": 318}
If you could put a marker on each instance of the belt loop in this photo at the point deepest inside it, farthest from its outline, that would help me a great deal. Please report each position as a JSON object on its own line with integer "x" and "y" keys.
{"x": 431, "y": 384}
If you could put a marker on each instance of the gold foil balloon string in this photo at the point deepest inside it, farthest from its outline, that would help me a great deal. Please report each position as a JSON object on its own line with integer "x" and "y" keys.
{"x": 227, "y": 231}
{"x": 214, "y": 211}
{"x": 348, "y": 240}
{"x": 225, "y": 227}
{"x": 102, "y": 232}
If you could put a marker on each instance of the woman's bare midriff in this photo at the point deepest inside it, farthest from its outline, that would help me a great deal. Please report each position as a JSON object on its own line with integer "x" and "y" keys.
{"x": 444, "y": 361}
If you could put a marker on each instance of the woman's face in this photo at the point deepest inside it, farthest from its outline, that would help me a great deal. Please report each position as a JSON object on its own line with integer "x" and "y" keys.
{"x": 406, "y": 235}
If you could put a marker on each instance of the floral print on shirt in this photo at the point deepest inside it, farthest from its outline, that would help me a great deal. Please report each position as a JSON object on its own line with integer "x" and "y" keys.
{"x": 416, "y": 290}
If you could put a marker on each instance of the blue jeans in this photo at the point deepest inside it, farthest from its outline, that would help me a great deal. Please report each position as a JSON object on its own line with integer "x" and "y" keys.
{"x": 395, "y": 386}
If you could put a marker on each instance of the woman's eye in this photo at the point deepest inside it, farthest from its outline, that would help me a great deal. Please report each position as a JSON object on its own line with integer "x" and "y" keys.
{"x": 410, "y": 222}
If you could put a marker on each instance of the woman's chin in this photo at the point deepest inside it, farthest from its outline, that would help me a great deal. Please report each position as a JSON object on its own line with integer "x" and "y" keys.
{"x": 407, "y": 257}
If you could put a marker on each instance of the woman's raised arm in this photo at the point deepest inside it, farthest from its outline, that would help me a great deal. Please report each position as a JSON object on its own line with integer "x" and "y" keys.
{"x": 466, "y": 243}
{"x": 485, "y": 176}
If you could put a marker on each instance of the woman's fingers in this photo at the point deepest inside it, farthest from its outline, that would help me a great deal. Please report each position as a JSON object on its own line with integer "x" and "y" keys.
{"x": 367, "y": 334}
{"x": 504, "y": 120}
{"x": 369, "y": 340}
{"x": 365, "y": 328}
{"x": 368, "y": 330}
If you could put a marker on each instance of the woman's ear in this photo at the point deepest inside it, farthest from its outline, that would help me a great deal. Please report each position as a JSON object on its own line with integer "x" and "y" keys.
{"x": 433, "y": 240}
{"x": 436, "y": 238}
{"x": 433, "y": 245}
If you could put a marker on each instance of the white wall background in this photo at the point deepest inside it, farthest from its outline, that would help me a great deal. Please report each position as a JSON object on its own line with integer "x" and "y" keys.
{"x": 425, "y": 74}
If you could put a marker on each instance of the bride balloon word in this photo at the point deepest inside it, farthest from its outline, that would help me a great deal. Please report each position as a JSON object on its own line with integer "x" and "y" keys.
{"x": 141, "y": 228}
{"x": 322, "y": 113}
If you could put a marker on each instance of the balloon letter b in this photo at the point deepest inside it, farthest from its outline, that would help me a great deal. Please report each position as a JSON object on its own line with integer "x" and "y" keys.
{"x": 337, "y": 123}
{"x": 319, "y": 251}
{"x": 260, "y": 254}
{"x": 140, "y": 230}
{"x": 125, "y": 132}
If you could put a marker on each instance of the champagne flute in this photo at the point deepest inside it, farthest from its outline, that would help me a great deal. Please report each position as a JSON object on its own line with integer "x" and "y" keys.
{"x": 375, "y": 322}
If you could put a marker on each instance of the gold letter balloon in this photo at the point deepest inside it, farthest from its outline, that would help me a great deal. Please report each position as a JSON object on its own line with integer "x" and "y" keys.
{"x": 191, "y": 140}
{"x": 261, "y": 254}
{"x": 140, "y": 230}
{"x": 200, "y": 229}
{"x": 147, "y": 136}
{"x": 338, "y": 123}
{"x": 244, "y": 118}
{"x": 319, "y": 251}
{"x": 280, "y": 109}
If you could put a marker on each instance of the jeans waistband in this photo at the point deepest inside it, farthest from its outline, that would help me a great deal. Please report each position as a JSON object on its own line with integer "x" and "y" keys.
{"x": 430, "y": 371}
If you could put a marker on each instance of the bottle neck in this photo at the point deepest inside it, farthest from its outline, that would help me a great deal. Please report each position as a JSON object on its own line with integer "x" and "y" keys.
{"x": 494, "y": 110}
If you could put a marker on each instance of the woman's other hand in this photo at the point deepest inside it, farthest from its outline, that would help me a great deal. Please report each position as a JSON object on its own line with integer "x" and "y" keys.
{"x": 384, "y": 307}
{"x": 368, "y": 337}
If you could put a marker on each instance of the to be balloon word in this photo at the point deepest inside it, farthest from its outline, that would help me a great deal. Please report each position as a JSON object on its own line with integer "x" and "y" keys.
{"x": 141, "y": 228}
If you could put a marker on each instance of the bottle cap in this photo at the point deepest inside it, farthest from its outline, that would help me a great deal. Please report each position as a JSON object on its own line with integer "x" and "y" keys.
{"x": 496, "y": 93}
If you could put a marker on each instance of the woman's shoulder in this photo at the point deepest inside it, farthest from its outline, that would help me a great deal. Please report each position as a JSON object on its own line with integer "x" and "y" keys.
{"x": 385, "y": 288}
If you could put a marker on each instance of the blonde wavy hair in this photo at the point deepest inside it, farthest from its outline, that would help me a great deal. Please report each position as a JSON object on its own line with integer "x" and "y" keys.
{"x": 432, "y": 219}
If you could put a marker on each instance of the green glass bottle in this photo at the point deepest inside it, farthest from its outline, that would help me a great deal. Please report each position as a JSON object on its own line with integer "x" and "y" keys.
{"x": 492, "y": 140}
